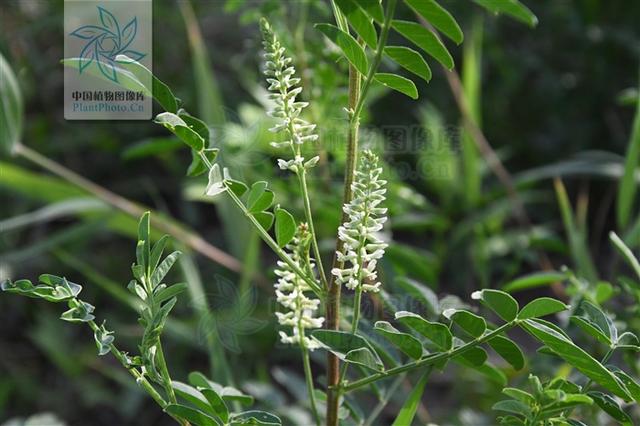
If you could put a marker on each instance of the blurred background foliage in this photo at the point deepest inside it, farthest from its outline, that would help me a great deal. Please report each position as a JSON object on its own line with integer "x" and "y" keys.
{"x": 554, "y": 101}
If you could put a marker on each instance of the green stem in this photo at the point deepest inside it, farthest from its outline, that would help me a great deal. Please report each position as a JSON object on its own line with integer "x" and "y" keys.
{"x": 308, "y": 375}
{"x": 140, "y": 379}
{"x": 274, "y": 246}
{"x": 267, "y": 238}
{"x": 356, "y": 102}
{"x": 430, "y": 360}
{"x": 332, "y": 302}
{"x": 309, "y": 218}
{"x": 164, "y": 372}
{"x": 356, "y": 310}
{"x": 384, "y": 35}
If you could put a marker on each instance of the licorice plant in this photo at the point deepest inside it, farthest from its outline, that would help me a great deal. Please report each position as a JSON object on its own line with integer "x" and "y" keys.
{"x": 310, "y": 300}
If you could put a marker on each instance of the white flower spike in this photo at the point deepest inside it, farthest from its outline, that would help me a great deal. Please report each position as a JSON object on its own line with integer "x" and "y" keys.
{"x": 290, "y": 293}
{"x": 284, "y": 88}
{"x": 362, "y": 248}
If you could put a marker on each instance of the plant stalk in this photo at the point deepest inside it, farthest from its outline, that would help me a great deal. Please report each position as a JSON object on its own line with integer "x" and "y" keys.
{"x": 333, "y": 297}
{"x": 357, "y": 95}
{"x": 429, "y": 360}
{"x": 309, "y": 217}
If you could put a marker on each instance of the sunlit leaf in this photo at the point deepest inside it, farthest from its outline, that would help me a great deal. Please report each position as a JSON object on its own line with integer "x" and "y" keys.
{"x": 499, "y": 302}
{"x": 398, "y": 83}
{"x": 425, "y": 40}
{"x": 348, "y": 45}
{"x": 439, "y": 17}
{"x": 359, "y": 21}
{"x": 403, "y": 341}
{"x": 436, "y": 332}
{"x": 576, "y": 356}
{"x": 513, "y": 8}
{"x": 285, "y": 227}
{"x": 471, "y": 323}
{"x": 534, "y": 280}
{"x": 410, "y": 60}
{"x": 542, "y": 307}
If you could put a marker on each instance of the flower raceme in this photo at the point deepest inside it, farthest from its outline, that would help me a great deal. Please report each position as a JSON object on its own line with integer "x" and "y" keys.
{"x": 290, "y": 293}
{"x": 284, "y": 88}
{"x": 362, "y": 248}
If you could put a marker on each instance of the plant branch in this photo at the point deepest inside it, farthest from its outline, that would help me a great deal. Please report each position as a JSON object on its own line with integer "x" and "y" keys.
{"x": 274, "y": 246}
{"x": 267, "y": 238}
{"x": 140, "y": 379}
{"x": 430, "y": 360}
{"x": 309, "y": 218}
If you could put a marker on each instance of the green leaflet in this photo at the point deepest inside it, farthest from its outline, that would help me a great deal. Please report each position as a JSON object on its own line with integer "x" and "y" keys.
{"x": 348, "y": 45}
{"x": 182, "y": 130}
{"x": 349, "y": 347}
{"x": 508, "y": 350}
{"x": 499, "y": 302}
{"x": 192, "y": 415}
{"x": 403, "y": 341}
{"x": 425, "y": 40}
{"x": 439, "y": 17}
{"x": 471, "y": 323}
{"x": 285, "y": 226}
{"x": 438, "y": 333}
{"x": 577, "y": 357}
{"x": 610, "y": 406}
{"x": 359, "y": 21}
{"x": 542, "y": 307}
{"x": 397, "y": 83}
{"x": 255, "y": 417}
{"x": 194, "y": 397}
{"x": 410, "y": 60}
{"x": 373, "y": 8}
{"x": 534, "y": 280}
{"x": 513, "y": 8}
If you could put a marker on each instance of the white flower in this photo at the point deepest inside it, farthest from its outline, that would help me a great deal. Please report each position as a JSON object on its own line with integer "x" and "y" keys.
{"x": 290, "y": 293}
{"x": 285, "y": 87}
{"x": 362, "y": 248}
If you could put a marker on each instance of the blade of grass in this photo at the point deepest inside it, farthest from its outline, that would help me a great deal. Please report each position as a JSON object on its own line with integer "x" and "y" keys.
{"x": 471, "y": 86}
{"x": 577, "y": 239}
{"x": 628, "y": 185}
{"x": 159, "y": 221}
